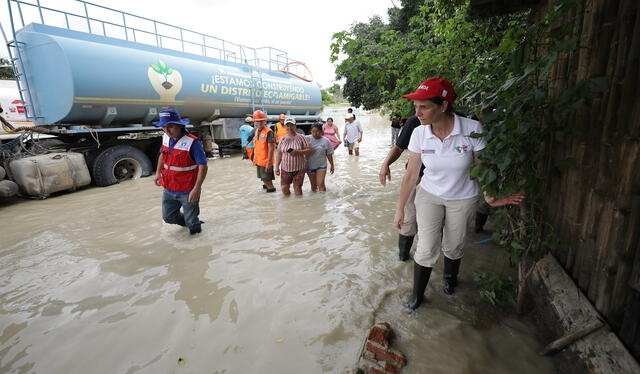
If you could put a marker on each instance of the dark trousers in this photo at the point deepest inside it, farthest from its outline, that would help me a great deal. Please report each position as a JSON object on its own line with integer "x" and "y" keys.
{"x": 171, "y": 203}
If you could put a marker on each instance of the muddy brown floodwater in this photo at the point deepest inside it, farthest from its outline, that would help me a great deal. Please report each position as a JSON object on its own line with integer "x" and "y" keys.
{"x": 95, "y": 282}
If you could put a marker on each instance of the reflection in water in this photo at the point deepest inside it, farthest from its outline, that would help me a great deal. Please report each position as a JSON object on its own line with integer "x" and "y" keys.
{"x": 274, "y": 284}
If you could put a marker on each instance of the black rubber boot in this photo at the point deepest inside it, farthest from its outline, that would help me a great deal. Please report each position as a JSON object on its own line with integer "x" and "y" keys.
{"x": 481, "y": 219}
{"x": 450, "y": 275}
{"x": 404, "y": 246}
{"x": 421, "y": 276}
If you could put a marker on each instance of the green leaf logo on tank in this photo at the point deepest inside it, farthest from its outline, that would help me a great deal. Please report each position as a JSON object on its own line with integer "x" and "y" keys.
{"x": 166, "y": 81}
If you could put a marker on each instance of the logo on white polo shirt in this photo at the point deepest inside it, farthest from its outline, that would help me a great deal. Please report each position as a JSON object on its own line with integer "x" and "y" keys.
{"x": 428, "y": 151}
{"x": 461, "y": 149}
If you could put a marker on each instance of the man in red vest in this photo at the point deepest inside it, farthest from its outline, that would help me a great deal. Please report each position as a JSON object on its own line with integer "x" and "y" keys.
{"x": 182, "y": 167}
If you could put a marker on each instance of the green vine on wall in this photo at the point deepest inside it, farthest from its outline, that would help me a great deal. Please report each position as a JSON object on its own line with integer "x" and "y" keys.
{"x": 523, "y": 127}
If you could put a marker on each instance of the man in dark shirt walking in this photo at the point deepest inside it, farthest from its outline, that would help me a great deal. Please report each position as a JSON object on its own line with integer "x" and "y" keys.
{"x": 395, "y": 129}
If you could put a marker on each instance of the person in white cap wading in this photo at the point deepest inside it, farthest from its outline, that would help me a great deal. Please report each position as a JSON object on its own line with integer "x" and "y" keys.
{"x": 352, "y": 134}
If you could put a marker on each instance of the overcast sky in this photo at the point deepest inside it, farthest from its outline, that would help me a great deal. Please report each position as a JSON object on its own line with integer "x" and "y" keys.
{"x": 301, "y": 28}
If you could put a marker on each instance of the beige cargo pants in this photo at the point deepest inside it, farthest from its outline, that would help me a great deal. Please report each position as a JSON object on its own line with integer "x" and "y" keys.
{"x": 442, "y": 224}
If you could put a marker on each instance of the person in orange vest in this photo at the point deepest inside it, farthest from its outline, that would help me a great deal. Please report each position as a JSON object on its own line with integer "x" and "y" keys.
{"x": 264, "y": 144}
{"x": 182, "y": 167}
{"x": 279, "y": 128}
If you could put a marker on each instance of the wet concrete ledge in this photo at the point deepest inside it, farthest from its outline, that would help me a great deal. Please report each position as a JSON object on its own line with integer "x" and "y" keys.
{"x": 566, "y": 317}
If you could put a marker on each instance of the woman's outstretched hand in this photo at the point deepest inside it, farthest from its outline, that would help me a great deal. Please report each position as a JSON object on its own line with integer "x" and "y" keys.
{"x": 514, "y": 199}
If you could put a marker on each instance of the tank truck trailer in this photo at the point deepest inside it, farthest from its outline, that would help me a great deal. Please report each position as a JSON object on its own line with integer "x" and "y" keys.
{"x": 97, "y": 84}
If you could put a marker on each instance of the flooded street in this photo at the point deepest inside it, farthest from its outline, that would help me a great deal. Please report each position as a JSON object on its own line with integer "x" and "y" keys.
{"x": 95, "y": 282}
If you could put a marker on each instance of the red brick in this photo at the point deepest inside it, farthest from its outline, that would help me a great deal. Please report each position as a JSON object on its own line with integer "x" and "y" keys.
{"x": 386, "y": 326}
{"x": 398, "y": 357}
{"x": 391, "y": 368}
{"x": 380, "y": 335}
{"x": 386, "y": 355}
{"x": 375, "y": 346}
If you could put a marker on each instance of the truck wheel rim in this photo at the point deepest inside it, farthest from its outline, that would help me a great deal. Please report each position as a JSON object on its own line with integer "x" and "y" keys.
{"x": 127, "y": 168}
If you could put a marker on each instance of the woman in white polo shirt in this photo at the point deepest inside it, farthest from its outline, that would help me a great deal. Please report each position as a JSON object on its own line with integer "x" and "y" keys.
{"x": 447, "y": 196}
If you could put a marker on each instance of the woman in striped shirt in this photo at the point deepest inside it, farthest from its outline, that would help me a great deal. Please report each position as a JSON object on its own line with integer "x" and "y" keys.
{"x": 290, "y": 159}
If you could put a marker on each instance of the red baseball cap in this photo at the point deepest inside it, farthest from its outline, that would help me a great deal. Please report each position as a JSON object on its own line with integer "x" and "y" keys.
{"x": 434, "y": 87}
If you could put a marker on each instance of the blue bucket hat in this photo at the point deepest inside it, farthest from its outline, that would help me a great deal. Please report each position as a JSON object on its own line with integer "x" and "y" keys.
{"x": 170, "y": 116}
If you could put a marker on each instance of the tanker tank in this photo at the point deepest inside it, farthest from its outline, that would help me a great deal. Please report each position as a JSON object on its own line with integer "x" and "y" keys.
{"x": 98, "y": 93}
{"x": 87, "y": 79}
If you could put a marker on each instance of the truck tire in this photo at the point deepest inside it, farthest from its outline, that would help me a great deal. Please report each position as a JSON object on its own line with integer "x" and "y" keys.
{"x": 153, "y": 151}
{"x": 8, "y": 188}
{"x": 3, "y": 173}
{"x": 118, "y": 164}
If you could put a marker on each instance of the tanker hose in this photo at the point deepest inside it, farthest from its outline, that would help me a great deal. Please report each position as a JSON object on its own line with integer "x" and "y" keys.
{"x": 41, "y": 130}
{"x": 8, "y": 127}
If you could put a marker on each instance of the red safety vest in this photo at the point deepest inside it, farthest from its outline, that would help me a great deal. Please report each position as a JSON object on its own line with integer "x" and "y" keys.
{"x": 179, "y": 171}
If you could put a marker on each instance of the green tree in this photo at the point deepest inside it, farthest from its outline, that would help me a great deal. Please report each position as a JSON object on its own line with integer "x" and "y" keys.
{"x": 327, "y": 98}
{"x": 332, "y": 95}
{"x": 363, "y": 68}
{"x": 336, "y": 91}
{"x": 6, "y": 70}
{"x": 383, "y": 61}
{"x": 399, "y": 17}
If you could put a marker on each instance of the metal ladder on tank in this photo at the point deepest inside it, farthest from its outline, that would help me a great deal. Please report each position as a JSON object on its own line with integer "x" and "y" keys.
{"x": 257, "y": 102}
{"x": 256, "y": 79}
{"x": 18, "y": 68}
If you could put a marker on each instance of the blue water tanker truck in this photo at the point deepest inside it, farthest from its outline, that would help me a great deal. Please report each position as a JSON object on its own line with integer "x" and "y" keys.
{"x": 97, "y": 84}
